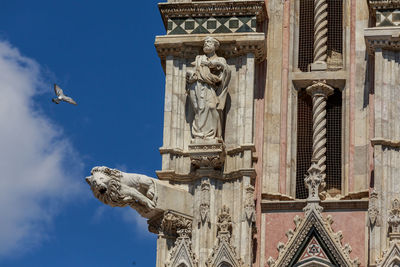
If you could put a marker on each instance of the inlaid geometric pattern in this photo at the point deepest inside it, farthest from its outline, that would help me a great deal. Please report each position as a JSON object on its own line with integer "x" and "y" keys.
{"x": 387, "y": 17}
{"x": 313, "y": 250}
{"x": 211, "y": 25}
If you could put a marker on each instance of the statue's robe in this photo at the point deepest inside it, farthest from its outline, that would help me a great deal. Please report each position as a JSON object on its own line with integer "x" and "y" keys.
{"x": 208, "y": 95}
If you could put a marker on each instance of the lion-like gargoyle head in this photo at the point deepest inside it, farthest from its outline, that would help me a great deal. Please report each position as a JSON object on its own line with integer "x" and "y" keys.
{"x": 105, "y": 184}
{"x": 119, "y": 189}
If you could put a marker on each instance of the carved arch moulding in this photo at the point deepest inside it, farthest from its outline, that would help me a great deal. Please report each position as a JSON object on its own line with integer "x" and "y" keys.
{"x": 313, "y": 228}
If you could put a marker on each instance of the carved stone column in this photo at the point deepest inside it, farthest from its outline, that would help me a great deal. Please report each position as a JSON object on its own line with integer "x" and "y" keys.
{"x": 320, "y": 35}
{"x": 319, "y": 92}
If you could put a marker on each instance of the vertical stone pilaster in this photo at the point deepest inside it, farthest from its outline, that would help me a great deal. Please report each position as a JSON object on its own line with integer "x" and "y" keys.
{"x": 319, "y": 92}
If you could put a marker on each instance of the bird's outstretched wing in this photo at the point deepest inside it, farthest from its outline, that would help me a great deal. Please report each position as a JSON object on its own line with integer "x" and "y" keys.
{"x": 69, "y": 100}
{"x": 58, "y": 90}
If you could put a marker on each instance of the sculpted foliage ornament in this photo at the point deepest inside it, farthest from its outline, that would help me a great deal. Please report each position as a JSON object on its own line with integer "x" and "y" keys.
{"x": 313, "y": 181}
{"x": 173, "y": 224}
{"x": 120, "y": 189}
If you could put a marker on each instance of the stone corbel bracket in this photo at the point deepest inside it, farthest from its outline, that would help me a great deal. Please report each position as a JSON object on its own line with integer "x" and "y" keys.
{"x": 382, "y": 38}
{"x": 209, "y": 9}
{"x": 232, "y": 45}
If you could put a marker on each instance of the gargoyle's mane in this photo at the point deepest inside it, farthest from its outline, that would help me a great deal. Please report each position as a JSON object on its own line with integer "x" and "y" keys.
{"x": 110, "y": 172}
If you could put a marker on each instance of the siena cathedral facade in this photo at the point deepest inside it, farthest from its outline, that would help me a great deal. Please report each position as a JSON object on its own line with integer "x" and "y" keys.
{"x": 281, "y": 143}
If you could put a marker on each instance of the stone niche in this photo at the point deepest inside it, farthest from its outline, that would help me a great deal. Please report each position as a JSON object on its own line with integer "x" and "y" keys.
{"x": 242, "y": 51}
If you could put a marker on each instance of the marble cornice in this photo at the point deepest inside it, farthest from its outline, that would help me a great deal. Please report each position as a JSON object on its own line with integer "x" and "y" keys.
{"x": 232, "y": 44}
{"x": 171, "y": 175}
{"x": 213, "y": 8}
{"x": 384, "y": 4}
{"x": 382, "y": 38}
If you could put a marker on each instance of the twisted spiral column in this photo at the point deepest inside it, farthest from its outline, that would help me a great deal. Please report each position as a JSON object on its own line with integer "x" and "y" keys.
{"x": 320, "y": 30}
{"x": 319, "y": 92}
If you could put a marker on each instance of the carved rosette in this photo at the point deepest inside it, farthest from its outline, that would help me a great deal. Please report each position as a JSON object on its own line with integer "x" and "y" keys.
{"x": 205, "y": 201}
{"x": 394, "y": 221}
{"x": 320, "y": 31}
{"x": 373, "y": 210}
{"x": 319, "y": 92}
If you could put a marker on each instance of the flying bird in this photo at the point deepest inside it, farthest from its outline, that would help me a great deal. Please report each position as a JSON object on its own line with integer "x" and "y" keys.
{"x": 61, "y": 97}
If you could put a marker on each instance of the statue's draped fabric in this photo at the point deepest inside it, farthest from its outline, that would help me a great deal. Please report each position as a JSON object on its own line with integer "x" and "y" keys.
{"x": 208, "y": 95}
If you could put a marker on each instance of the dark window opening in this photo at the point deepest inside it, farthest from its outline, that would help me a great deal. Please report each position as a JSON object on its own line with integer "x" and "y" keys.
{"x": 304, "y": 141}
{"x": 306, "y": 33}
{"x": 333, "y": 143}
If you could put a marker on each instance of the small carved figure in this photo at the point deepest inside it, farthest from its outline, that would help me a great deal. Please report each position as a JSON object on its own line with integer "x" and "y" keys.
{"x": 119, "y": 189}
{"x": 207, "y": 89}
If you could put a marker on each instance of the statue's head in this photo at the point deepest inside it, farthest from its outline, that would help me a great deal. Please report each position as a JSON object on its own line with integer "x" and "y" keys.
{"x": 210, "y": 45}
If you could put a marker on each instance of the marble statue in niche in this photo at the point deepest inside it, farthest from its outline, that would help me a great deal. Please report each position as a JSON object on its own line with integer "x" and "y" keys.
{"x": 207, "y": 90}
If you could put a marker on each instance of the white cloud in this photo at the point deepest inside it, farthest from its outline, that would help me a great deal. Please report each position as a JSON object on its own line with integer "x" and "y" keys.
{"x": 33, "y": 178}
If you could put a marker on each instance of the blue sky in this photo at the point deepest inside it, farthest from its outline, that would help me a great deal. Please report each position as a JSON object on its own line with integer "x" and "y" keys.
{"x": 102, "y": 54}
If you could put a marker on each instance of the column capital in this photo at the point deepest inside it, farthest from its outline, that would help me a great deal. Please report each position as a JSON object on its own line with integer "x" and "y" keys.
{"x": 320, "y": 88}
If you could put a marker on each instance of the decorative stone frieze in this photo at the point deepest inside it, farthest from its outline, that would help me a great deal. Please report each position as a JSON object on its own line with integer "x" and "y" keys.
{"x": 213, "y": 9}
{"x": 189, "y": 46}
{"x": 210, "y": 25}
{"x": 382, "y": 38}
{"x": 384, "y": 4}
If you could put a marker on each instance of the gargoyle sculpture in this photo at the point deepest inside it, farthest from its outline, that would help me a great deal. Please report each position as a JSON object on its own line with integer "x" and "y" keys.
{"x": 120, "y": 189}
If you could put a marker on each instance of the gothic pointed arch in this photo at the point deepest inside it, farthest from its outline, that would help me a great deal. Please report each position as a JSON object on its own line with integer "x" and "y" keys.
{"x": 224, "y": 254}
{"x": 391, "y": 257}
